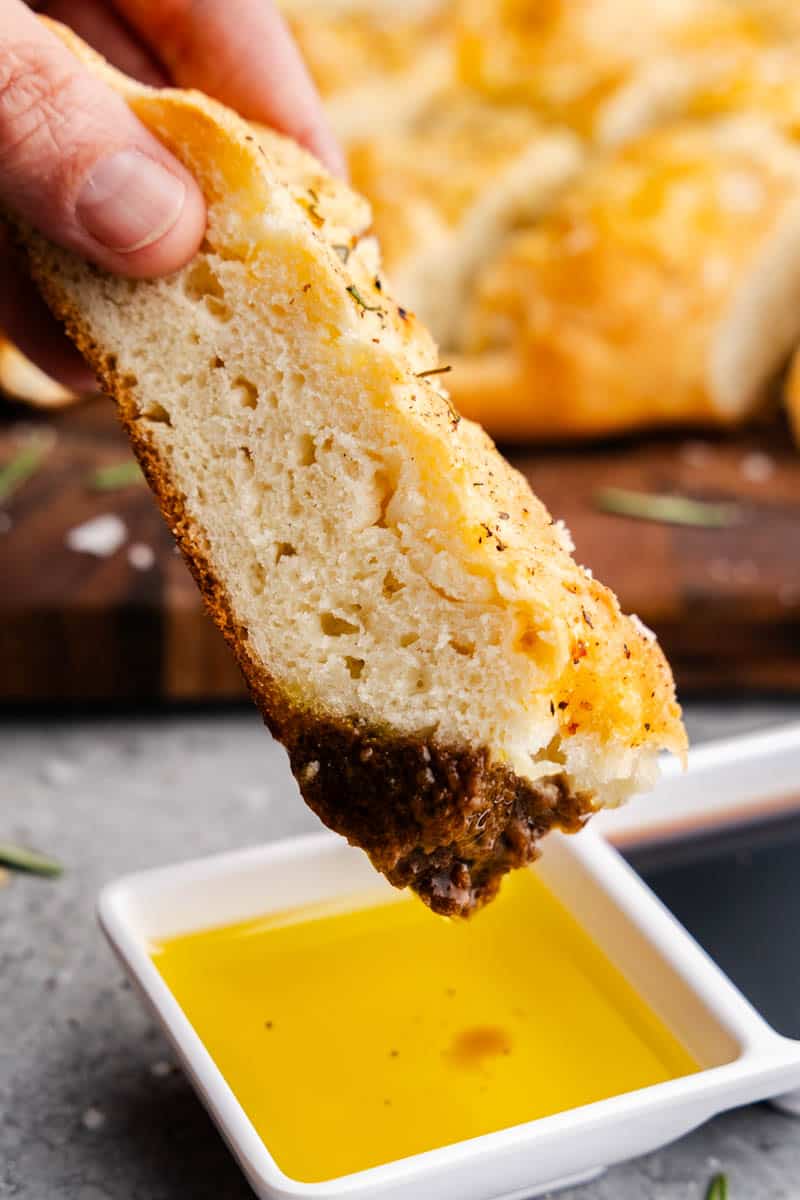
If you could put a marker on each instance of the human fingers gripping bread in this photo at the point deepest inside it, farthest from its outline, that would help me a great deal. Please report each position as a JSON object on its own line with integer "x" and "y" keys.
{"x": 448, "y": 683}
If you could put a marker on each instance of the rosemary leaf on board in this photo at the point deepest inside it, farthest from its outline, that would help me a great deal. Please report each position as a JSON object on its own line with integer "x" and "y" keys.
{"x": 666, "y": 509}
{"x": 718, "y": 1188}
{"x": 22, "y": 466}
{"x": 118, "y": 475}
{"x": 19, "y": 858}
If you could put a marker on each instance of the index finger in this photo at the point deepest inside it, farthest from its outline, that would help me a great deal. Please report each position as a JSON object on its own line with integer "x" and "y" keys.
{"x": 242, "y": 53}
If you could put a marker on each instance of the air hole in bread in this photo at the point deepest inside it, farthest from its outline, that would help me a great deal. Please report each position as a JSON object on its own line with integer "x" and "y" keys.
{"x": 527, "y": 641}
{"x": 245, "y": 391}
{"x": 391, "y": 585}
{"x": 306, "y": 450}
{"x": 408, "y": 639}
{"x": 218, "y": 308}
{"x": 386, "y": 490}
{"x": 201, "y": 281}
{"x": 335, "y": 626}
{"x": 156, "y": 412}
{"x": 233, "y": 251}
{"x": 463, "y": 646}
{"x": 284, "y": 550}
{"x": 355, "y": 666}
{"x": 217, "y": 362}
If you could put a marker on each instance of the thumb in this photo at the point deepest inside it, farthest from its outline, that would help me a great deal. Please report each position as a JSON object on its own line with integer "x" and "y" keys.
{"x": 77, "y": 164}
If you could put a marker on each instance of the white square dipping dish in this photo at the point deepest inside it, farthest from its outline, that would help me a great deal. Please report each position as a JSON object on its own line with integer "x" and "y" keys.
{"x": 741, "y": 1057}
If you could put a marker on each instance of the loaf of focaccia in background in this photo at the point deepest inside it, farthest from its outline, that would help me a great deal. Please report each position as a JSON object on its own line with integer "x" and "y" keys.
{"x": 376, "y": 64}
{"x": 664, "y": 287}
{"x": 448, "y": 682}
{"x": 756, "y": 76}
{"x": 448, "y": 189}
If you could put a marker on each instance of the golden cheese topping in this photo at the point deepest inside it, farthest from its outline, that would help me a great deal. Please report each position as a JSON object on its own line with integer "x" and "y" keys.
{"x": 567, "y": 57}
{"x": 421, "y": 181}
{"x": 342, "y": 45}
{"x": 622, "y": 290}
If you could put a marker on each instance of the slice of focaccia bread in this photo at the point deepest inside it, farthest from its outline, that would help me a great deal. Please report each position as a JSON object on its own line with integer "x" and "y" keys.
{"x": 448, "y": 683}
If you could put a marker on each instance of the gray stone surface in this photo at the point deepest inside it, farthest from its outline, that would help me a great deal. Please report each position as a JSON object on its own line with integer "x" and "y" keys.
{"x": 91, "y": 1107}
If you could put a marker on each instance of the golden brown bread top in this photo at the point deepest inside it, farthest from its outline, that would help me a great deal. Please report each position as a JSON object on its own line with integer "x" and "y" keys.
{"x": 343, "y": 44}
{"x": 568, "y": 57}
{"x": 612, "y": 313}
{"x": 422, "y": 180}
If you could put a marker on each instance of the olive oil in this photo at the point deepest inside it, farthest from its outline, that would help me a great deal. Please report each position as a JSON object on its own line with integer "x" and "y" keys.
{"x": 353, "y": 1035}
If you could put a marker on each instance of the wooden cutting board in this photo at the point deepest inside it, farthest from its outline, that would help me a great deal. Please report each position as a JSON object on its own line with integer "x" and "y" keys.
{"x": 73, "y": 626}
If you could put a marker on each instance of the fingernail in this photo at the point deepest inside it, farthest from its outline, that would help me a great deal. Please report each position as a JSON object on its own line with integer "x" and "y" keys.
{"x": 129, "y": 201}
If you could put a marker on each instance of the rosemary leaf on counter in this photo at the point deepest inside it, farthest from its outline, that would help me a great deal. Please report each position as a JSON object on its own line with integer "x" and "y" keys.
{"x": 118, "y": 475}
{"x": 718, "y": 1188}
{"x": 22, "y": 466}
{"x": 665, "y": 508}
{"x": 18, "y": 858}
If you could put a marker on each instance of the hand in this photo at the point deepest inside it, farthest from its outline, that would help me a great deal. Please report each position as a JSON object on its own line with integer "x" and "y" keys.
{"x": 77, "y": 164}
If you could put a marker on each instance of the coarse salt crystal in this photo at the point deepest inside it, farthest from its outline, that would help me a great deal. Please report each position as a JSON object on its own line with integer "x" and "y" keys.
{"x": 141, "y": 557}
{"x": 101, "y": 536}
{"x": 93, "y": 1118}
